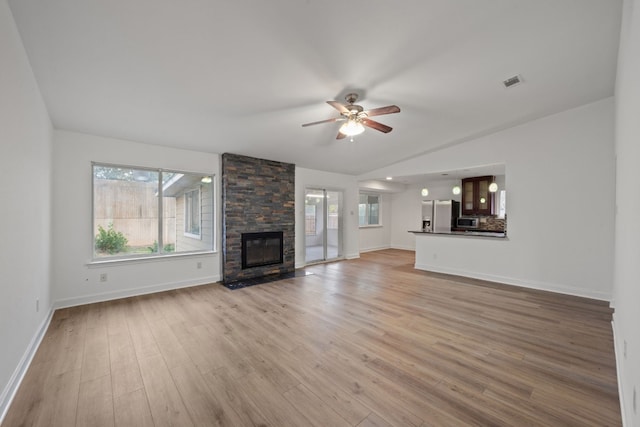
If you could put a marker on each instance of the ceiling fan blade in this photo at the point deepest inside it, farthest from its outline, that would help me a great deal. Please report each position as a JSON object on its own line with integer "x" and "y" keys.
{"x": 335, "y": 119}
{"x": 341, "y": 135}
{"x": 376, "y": 125}
{"x": 389, "y": 109}
{"x": 338, "y": 107}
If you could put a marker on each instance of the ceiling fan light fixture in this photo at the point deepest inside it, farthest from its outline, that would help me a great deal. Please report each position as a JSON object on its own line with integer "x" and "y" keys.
{"x": 351, "y": 127}
{"x": 356, "y": 117}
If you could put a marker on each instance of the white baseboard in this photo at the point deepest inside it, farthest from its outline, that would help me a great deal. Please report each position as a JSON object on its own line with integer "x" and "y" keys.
{"x": 542, "y": 286}
{"x": 10, "y": 390}
{"x": 377, "y": 248}
{"x": 404, "y": 248}
{"x": 616, "y": 340}
{"x": 125, "y": 293}
{"x": 353, "y": 255}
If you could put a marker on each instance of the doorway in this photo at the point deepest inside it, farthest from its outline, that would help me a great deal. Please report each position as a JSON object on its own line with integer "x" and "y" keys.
{"x": 323, "y": 225}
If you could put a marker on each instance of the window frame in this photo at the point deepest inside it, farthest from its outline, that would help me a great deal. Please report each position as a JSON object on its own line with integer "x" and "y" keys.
{"x": 94, "y": 260}
{"x": 368, "y": 209}
{"x": 199, "y": 198}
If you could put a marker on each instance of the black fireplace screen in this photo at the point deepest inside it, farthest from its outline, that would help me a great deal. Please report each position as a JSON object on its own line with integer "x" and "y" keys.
{"x": 260, "y": 249}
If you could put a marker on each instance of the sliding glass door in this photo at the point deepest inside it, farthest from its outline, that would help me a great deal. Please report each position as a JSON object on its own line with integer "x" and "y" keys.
{"x": 323, "y": 225}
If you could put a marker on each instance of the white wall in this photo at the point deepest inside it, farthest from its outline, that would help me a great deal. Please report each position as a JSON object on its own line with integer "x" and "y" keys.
{"x": 25, "y": 192}
{"x": 406, "y": 211}
{"x": 627, "y": 249}
{"x": 74, "y": 280}
{"x": 378, "y": 237}
{"x": 560, "y": 204}
{"x": 330, "y": 181}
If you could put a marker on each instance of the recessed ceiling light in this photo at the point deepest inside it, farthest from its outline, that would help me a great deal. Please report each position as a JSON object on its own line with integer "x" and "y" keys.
{"x": 389, "y": 178}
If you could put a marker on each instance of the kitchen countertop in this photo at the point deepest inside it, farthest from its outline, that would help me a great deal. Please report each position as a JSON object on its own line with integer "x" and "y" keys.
{"x": 466, "y": 233}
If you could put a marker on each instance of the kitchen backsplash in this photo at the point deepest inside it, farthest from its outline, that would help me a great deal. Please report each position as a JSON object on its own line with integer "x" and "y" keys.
{"x": 492, "y": 223}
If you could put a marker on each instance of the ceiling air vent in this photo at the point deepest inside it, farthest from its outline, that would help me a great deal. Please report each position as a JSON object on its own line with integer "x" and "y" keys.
{"x": 512, "y": 81}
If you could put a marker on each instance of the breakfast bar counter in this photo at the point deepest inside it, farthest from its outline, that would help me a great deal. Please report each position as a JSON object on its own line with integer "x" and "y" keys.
{"x": 465, "y": 233}
{"x": 477, "y": 254}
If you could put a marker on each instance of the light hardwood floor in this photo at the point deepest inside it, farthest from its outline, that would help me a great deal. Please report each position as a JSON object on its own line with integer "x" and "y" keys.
{"x": 366, "y": 342}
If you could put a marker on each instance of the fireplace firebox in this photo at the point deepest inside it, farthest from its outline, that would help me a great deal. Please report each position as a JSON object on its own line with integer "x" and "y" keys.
{"x": 259, "y": 249}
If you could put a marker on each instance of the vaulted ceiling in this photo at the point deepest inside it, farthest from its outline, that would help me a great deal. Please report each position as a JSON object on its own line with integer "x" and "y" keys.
{"x": 242, "y": 76}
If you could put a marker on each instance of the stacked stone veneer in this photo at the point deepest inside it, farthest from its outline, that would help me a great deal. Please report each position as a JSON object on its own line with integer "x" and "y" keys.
{"x": 493, "y": 224}
{"x": 257, "y": 195}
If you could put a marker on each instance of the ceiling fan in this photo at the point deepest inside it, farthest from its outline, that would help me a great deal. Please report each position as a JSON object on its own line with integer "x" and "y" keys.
{"x": 355, "y": 117}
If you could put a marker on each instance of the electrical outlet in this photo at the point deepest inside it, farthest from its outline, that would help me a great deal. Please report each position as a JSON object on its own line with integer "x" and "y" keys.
{"x": 199, "y": 265}
{"x": 103, "y": 277}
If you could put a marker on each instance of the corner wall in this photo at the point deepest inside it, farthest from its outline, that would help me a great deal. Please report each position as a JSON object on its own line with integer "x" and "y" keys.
{"x": 407, "y": 210}
{"x": 25, "y": 225}
{"x": 374, "y": 238}
{"x": 560, "y": 175}
{"x": 626, "y": 296}
{"x": 331, "y": 181}
{"x": 75, "y": 280}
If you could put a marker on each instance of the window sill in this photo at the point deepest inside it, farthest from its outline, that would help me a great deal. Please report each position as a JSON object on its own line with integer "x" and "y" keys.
{"x": 371, "y": 226}
{"x": 193, "y": 236}
{"x": 143, "y": 259}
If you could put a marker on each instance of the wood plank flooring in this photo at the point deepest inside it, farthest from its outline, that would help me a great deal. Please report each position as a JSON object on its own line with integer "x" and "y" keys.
{"x": 366, "y": 342}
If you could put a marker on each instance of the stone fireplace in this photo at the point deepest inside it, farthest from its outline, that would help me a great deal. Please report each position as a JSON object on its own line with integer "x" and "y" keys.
{"x": 258, "y": 217}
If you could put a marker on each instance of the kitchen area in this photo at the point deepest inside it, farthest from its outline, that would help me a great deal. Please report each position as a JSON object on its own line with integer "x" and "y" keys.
{"x": 480, "y": 210}
{"x": 463, "y": 227}
{"x": 454, "y": 220}
{"x": 535, "y": 165}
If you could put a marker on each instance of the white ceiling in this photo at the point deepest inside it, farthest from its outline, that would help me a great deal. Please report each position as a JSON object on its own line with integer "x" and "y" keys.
{"x": 448, "y": 175}
{"x": 242, "y": 76}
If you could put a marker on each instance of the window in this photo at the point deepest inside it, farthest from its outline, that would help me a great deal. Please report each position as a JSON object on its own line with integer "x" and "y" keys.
{"x": 369, "y": 209}
{"x": 140, "y": 212}
{"x": 310, "y": 220}
{"x": 333, "y": 214}
{"x": 192, "y": 214}
{"x": 502, "y": 207}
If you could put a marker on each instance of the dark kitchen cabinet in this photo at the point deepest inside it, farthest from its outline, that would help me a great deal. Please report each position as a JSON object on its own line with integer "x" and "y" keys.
{"x": 476, "y": 197}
